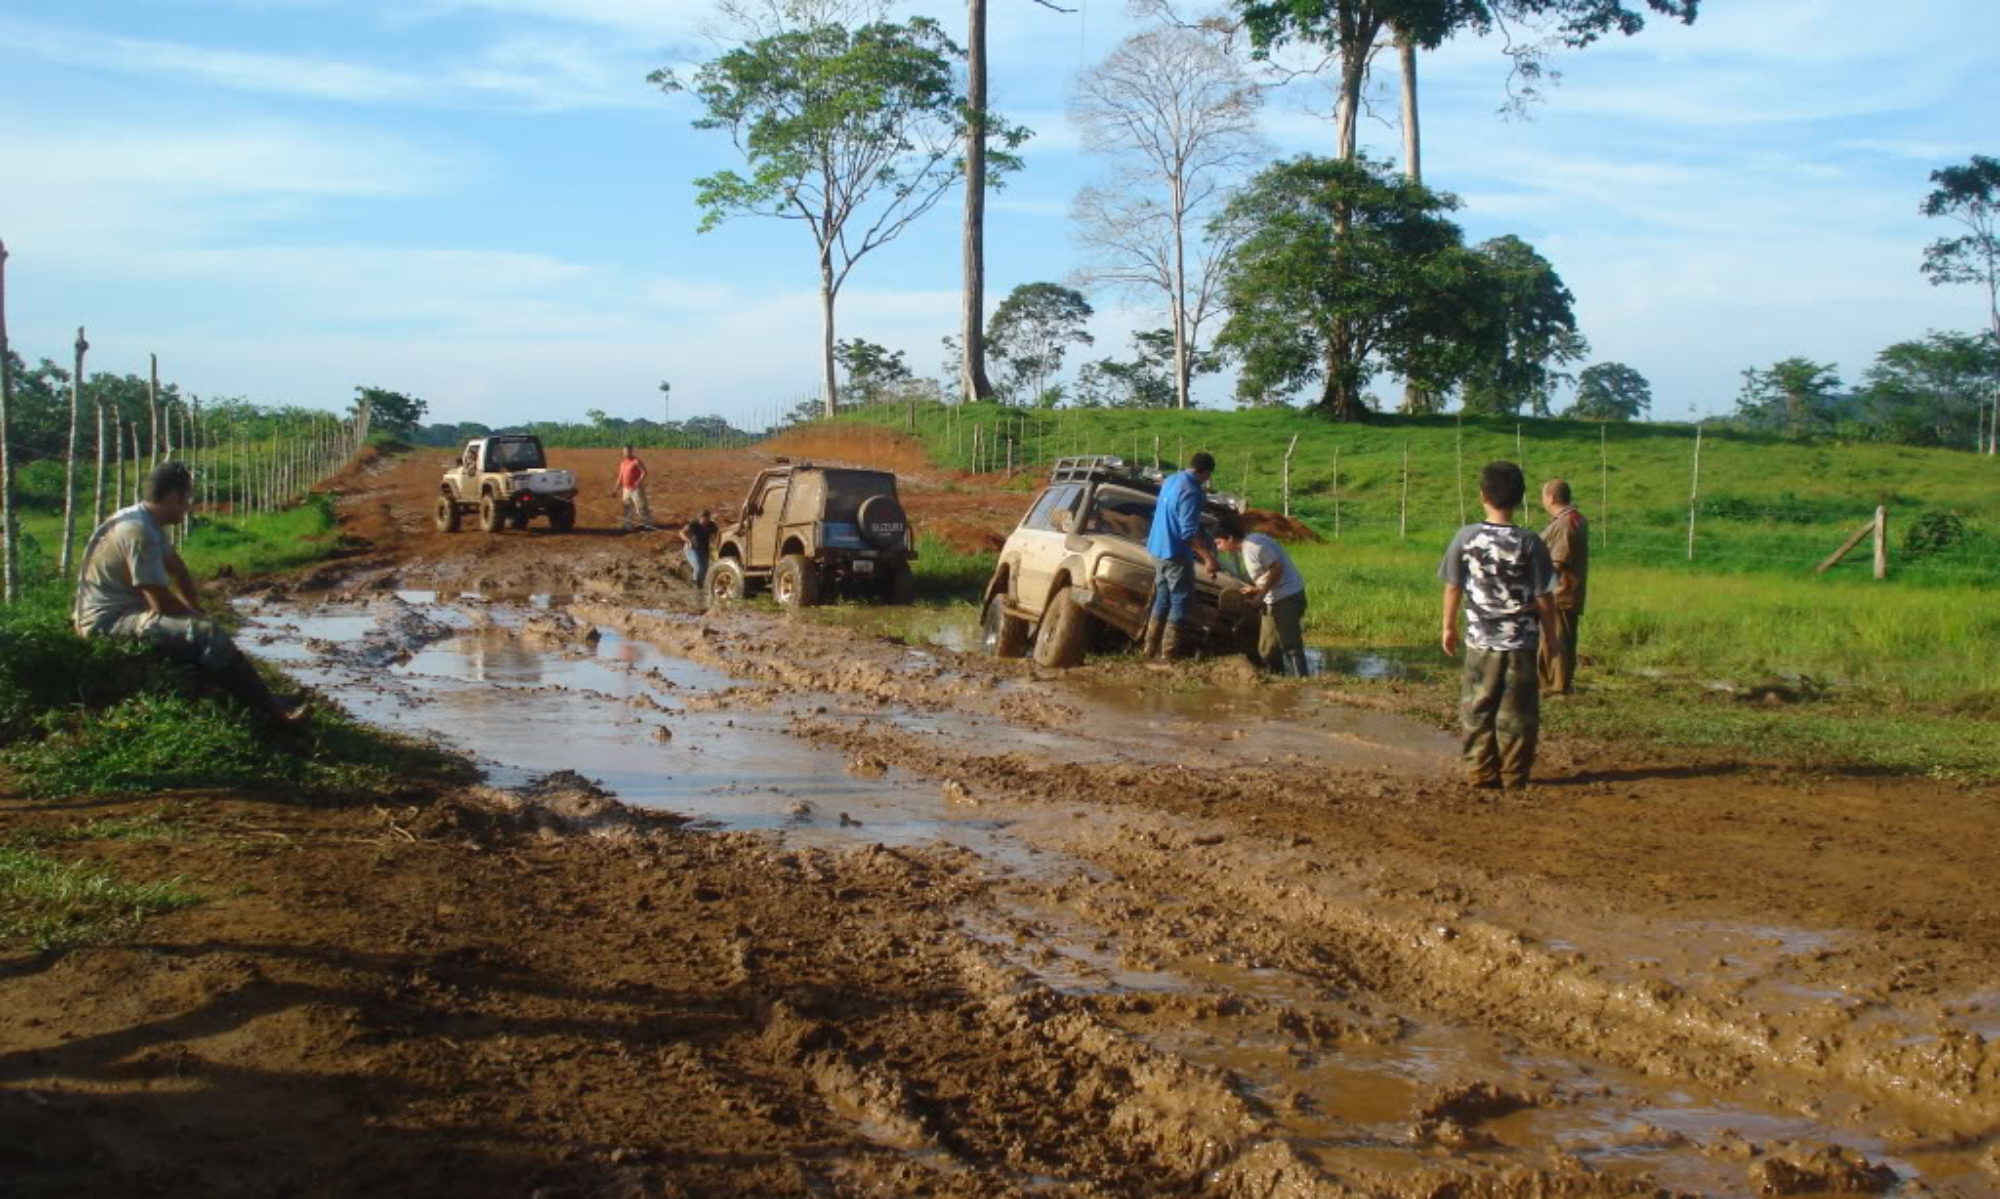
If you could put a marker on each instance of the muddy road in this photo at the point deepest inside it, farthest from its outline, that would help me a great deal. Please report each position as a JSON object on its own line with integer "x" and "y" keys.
{"x": 869, "y": 915}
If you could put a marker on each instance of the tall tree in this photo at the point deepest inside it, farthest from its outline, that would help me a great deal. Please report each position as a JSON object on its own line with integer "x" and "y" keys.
{"x": 1350, "y": 32}
{"x": 1931, "y": 392}
{"x": 856, "y": 133}
{"x": 1611, "y": 391}
{"x": 1031, "y": 333}
{"x": 1970, "y": 195}
{"x": 872, "y": 370}
{"x": 972, "y": 381}
{"x": 1344, "y": 268}
{"x": 1178, "y": 117}
{"x": 1530, "y": 322}
{"x": 391, "y": 411}
{"x": 1793, "y": 394}
{"x": 9, "y": 584}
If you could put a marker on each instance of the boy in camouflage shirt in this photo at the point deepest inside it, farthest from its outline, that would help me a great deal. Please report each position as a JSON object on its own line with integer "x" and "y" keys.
{"x": 1502, "y": 577}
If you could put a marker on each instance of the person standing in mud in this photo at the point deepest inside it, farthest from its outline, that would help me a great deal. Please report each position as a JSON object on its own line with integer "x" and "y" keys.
{"x": 1501, "y": 576}
{"x": 633, "y": 510}
{"x": 1568, "y": 539}
{"x": 697, "y": 535}
{"x": 133, "y": 585}
{"x": 1175, "y": 542}
{"x": 1277, "y": 583}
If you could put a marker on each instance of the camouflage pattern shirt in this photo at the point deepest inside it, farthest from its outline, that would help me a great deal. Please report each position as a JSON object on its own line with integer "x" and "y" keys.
{"x": 1502, "y": 568}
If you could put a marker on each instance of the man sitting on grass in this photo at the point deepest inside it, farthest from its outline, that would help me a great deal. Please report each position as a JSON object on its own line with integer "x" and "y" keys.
{"x": 133, "y": 584}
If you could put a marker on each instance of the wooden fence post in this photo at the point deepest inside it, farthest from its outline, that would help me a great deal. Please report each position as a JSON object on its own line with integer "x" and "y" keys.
{"x": 1881, "y": 541}
{"x": 153, "y": 405}
{"x": 1604, "y": 493}
{"x": 1403, "y": 510}
{"x": 97, "y": 492}
{"x": 1287, "y": 484}
{"x": 1336, "y": 493}
{"x": 1458, "y": 474}
{"x": 1156, "y": 453}
{"x": 1694, "y": 490}
{"x": 69, "y": 464}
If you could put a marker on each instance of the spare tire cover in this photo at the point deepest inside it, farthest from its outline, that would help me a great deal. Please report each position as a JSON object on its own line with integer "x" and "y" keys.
{"x": 883, "y": 524}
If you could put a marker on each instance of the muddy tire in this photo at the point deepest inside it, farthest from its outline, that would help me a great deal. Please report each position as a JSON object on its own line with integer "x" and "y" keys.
{"x": 901, "y": 585}
{"x": 725, "y": 581}
{"x": 519, "y": 519}
{"x": 1004, "y": 636}
{"x": 447, "y": 514}
{"x": 492, "y": 513}
{"x": 1065, "y": 635}
{"x": 562, "y": 517}
{"x": 795, "y": 583}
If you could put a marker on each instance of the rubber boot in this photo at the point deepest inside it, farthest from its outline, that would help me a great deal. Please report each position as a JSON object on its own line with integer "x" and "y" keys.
{"x": 1177, "y": 643}
{"x": 242, "y": 681}
{"x": 1296, "y": 664}
{"x": 1156, "y": 632}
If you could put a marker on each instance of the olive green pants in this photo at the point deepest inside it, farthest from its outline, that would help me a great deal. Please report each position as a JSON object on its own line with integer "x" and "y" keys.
{"x": 1499, "y": 709}
{"x": 1281, "y": 636}
{"x": 1558, "y": 659}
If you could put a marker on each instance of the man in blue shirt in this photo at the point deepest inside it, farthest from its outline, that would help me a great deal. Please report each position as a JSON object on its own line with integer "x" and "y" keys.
{"x": 1175, "y": 542}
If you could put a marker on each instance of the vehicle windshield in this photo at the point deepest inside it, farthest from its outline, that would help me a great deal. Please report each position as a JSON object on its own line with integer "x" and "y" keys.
{"x": 1121, "y": 512}
{"x": 513, "y": 455}
{"x": 846, "y": 490}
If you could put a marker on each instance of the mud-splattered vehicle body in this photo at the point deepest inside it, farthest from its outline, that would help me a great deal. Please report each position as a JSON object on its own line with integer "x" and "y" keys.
{"x": 507, "y": 481}
{"x": 1075, "y": 578}
{"x": 807, "y": 531}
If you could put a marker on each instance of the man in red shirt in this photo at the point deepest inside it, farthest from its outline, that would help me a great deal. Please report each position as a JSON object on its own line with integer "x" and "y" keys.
{"x": 631, "y": 492}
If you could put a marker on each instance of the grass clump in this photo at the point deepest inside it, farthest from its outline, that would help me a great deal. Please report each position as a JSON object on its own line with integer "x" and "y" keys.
{"x": 49, "y": 904}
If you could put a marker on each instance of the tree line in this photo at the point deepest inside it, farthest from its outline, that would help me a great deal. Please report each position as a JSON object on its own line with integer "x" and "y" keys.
{"x": 1311, "y": 277}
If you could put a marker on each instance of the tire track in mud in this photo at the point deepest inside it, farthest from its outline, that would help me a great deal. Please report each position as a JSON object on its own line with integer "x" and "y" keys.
{"x": 1240, "y": 863}
{"x": 1484, "y": 972}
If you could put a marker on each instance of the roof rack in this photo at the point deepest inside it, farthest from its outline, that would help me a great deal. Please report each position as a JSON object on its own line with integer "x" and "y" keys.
{"x": 1084, "y": 468}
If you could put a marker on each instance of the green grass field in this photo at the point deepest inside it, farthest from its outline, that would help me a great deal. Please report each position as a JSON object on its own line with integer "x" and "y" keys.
{"x": 1897, "y": 674}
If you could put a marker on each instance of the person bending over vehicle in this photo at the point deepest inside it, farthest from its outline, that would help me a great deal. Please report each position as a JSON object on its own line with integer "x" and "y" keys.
{"x": 133, "y": 584}
{"x": 1276, "y": 582}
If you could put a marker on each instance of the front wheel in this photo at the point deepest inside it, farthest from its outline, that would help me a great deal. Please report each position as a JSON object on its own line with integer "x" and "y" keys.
{"x": 1065, "y": 635}
{"x": 901, "y": 585}
{"x": 447, "y": 514}
{"x": 725, "y": 581}
{"x": 1004, "y": 636}
{"x": 492, "y": 513}
{"x": 795, "y": 583}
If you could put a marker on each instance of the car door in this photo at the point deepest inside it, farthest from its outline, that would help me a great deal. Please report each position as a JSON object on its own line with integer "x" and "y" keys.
{"x": 1039, "y": 543}
{"x": 766, "y": 521}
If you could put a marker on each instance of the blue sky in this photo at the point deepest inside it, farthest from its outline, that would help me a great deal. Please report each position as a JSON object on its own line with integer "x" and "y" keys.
{"x": 483, "y": 203}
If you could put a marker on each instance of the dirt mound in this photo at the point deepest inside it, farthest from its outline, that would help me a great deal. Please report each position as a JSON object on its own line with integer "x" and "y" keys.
{"x": 1278, "y": 525}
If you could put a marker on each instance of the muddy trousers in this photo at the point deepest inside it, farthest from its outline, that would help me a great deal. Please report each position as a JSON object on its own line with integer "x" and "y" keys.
{"x": 197, "y": 641}
{"x": 1499, "y": 710}
{"x": 1281, "y": 636}
{"x": 1558, "y": 657}
{"x": 633, "y": 510}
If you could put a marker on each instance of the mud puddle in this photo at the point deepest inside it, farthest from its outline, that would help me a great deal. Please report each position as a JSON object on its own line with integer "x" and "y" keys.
{"x": 525, "y": 700}
{"x": 1395, "y": 1098}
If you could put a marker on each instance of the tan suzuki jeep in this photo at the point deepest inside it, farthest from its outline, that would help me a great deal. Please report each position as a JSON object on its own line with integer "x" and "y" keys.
{"x": 1075, "y": 577}
{"x": 807, "y": 531}
{"x": 507, "y": 481}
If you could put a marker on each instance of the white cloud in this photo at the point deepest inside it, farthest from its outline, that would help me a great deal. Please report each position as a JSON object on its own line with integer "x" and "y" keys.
{"x": 539, "y": 73}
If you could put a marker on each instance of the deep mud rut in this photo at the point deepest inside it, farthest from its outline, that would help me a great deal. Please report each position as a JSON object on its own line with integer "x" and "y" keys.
{"x": 884, "y": 918}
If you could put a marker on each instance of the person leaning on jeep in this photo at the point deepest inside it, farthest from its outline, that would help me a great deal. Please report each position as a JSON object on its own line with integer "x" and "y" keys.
{"x": 133, "y": 584}
{"x": 1175, "y": 541}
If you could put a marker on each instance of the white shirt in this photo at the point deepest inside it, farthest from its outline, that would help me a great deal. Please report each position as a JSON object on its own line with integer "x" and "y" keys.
{"x": 1260, "y": 554}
